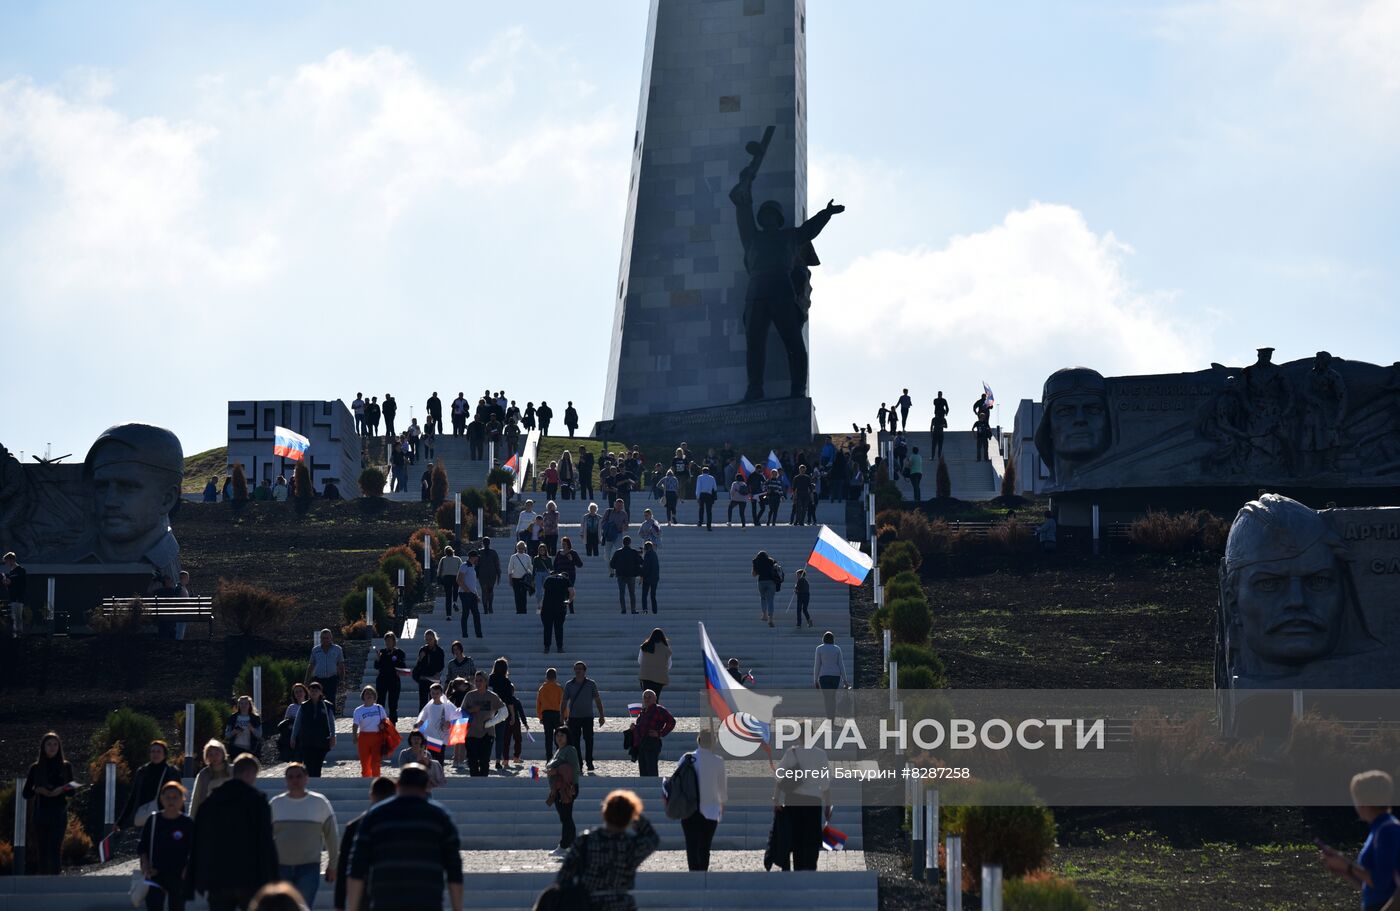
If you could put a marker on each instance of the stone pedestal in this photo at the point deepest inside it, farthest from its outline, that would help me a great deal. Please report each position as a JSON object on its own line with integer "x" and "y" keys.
{"x": 771, "y": 422}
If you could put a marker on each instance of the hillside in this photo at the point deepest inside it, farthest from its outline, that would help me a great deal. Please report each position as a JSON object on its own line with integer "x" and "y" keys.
{"x": 203, "y": 465}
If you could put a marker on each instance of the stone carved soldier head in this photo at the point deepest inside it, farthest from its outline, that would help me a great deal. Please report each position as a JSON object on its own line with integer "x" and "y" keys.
{"x": 1074, "y": 424}
{"x": 1286, "y": 592}
{"x": 135, "y": 471}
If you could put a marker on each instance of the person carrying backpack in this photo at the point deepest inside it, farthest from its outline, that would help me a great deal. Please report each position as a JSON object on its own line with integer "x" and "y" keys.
{"x": 696, "y": 793}
{"x": 769, "y": 575}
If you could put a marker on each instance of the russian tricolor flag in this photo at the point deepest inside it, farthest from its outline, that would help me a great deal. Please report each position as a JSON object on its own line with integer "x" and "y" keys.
{"x": 746, "y": 468}
{"x": 634, "y": 709}
{"x": 512, "y": 464}
{"x": 289, "y": 444}
{"x": 434, "y": 743}
{"x": 991, "y": 399}
{"x": 104, "y": 848}
{"x": 835, "y": 558}
{"x": 773, "y": 461}
{"x": 457, "y": 735}
{"x": 833, "y": 839}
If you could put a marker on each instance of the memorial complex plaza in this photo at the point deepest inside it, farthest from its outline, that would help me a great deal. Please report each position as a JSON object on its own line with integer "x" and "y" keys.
{"x": 1117, "y": 639}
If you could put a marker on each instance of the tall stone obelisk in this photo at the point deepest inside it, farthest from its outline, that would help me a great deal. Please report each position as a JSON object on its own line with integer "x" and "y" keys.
{"x": 716, "y": 74}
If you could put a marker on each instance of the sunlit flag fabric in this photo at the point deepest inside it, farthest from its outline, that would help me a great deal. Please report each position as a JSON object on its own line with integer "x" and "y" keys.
{"x": 746, "y": 468}
{"x": 512, "y": 464}
{"x": 773, "y": 461}
{"x": 431, "y": 740}
{"x": 289, "y": 444}
{"x": 104, "y": 848}
{"x": 991, "y": 399}
{"x": 833, "y": 839}
{"x": 457, "y": 735}
{"x": 835, "y": 558}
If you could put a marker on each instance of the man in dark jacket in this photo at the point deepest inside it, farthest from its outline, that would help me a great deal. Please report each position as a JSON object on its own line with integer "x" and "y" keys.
{"x": 488, "y": 573}
{"x": 389, "y": 409}
{"x": 570, "y": 418}
{"x": 434, "y": 413}
{"x": 627, "y": 564}
{"x": 233, "y": 854}
{"x": 382, "y": 789}
{"x": 651, "y": 575}
{"x": 545, "y": 414}
{"x": 554, "y": 608}
{"x": 313, "y": 732}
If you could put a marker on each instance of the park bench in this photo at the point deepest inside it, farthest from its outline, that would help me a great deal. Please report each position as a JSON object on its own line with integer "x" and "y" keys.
{"x": 195, "y": 609}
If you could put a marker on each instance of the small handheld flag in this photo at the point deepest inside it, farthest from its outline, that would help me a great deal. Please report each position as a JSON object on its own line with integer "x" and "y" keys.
{"x": 534, "y": 773}
{"x": 104, "y": 848}
{"x": 405, "y": 672}
{"x": 433, "y": 742}
{"x": 634, "y": 709}
{"x": 991, "y": 399}
{"x": 457, "y": 736}
{"x": 835, "y": 558}
{"x": 833, "y": 839}
{"x": 512, "y": 464}
{"x": 289, "y": 444}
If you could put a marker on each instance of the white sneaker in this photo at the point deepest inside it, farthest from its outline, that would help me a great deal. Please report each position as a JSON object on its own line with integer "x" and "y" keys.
{"x": 559, "y": 852}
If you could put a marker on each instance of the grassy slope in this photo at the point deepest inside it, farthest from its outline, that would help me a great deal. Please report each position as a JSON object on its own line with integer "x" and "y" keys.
{"x": 201, "y": 466}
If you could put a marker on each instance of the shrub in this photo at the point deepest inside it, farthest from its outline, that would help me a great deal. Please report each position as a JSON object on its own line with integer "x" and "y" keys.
{"x": 371, "y": 482}
{"x": 1165, "y": 533}
{"x": 901, "y": 556}
{"x": 1043, "y": 891}
{"x": 1004, "y": 826}
{"x": 437, "y": 490}
{"x": 209, "y": 715}
{"x": 252, "y": 610}
{"x": 910, "y": 620}
{"x": 497, "y": 478}
{"x": 879, "y": 620}
{"x": 474, "y": 498}
{"x": 910, "y": 656}
{"x": 301, "y": 483}
{"x": 1190, "y": 747}
{"x": 1214, "y": 532}
{"x": 439, "y": 538}
{"x": 352, "y": 606}
{"x": 240, "y": 484}
{"x": 7, "y": 858}
{"x": 1011, "y": 537}
{"x": 76, "y": 844}
{"x": 888, "y": 517}
{"x": 357, "y": 630}
{"x": 402, "y": 557}
{"x": 97, "y": 765}
{"x": 1008, "y": 479}
{"x": 128, "y": 619}
{"x": 133, "y": 730}
{"x": 919, "y": 678}
{"x": 927, "y": 537}
{"x": 446, "y": 516}
{"x": 904, "y": 585}
{"x": 278, "y": 676}
{"x": 942, "y": 482}
{"x": 887, "y": 496}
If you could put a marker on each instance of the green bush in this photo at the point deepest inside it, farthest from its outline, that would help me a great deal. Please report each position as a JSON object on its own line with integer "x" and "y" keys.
{"x": 497, "y": 478}
{"x": 437, "y": 490}
{"x": 209, "y": 715}
{"x": 440, "y": 539}
{"x": 879, "y": 620}
{"x": 403, "y": 558}
{"x": 278, "y": 676}
{"x": 899, "y": 557}
{"x": 918, "y": 678}
{"x": 994, "y": 831}
{"x": 887, "y": 496}
{"x": 352, "y": 606}
{"x": 1043, "y": 891}
{"x": 474, "y": 498}
{"x": 904, "y": 585}
{"x": 371, "y": 483}
{"x": 942, "y": 482}
{"x": 911, "y": 657}
{"x": 251, "y": 610}
{"x": 133, "y": 730}
{"x": 910, "y": 620}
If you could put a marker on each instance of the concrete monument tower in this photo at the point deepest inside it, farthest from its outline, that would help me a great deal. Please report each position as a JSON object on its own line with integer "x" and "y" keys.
{"x": 718, "y": 75}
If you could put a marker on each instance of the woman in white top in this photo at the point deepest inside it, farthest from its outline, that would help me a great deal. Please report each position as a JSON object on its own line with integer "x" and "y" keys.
{"x": 650, "y": 529}
{"x": 739, "y": 496}
{"x": 526, "y": 520}
{"x": 368, "y": 721}
{"x": 437, "y": 716}
{"x": 829, "y": 671}
{"x": 520, "y": 569}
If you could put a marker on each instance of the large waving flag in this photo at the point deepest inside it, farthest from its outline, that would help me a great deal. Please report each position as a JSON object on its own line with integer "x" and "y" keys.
{"x": 746, "y": 718}
{"x": 289, "y": 444}
{"x": 773, "y": 461}
{"x": 835, "y": 558}
{"x": 991, "y": 399}
{"x": 746, "y": 468}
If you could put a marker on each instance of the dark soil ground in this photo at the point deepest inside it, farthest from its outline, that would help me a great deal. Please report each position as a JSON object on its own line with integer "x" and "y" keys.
{"x": 70, "y": 684}
{"x": 1113, "y": 622}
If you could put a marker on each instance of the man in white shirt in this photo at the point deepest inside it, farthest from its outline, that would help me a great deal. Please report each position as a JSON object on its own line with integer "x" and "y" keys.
{"x": 447, "y": 575}
{"x": 358, "y": 407}
{"x": 699, "y": 827}
{"x": 303, "y": 824}
{"x": 706, "y": 492}
{"x": 469, "y": 590}
{"x": 527, "y": 519}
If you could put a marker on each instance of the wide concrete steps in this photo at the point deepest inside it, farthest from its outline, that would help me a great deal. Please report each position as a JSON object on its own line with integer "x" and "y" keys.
{"x": 971, "y": 480}
{"x": 509, "y": 890}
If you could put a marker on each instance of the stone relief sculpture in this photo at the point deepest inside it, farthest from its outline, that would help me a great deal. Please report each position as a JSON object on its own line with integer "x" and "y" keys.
{"x": 1270, "y": 399}
{"x": 1226, "y": 427}
{"x": 1287, "y": 595}
{"x": 115, "y": 508}
{"x": 779, "y": 261}
{"x": 1074, "y": 426}
{"x": 1324, "y": 409}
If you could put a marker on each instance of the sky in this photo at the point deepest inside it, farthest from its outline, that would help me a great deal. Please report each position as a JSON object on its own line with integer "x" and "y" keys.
{"x": 207, "y": 202}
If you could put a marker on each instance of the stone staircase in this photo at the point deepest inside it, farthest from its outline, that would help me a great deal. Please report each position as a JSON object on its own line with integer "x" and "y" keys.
{"x": 507, "y": 830}
{"x": 971, "y": 480}
{"x": 462, "y": 471}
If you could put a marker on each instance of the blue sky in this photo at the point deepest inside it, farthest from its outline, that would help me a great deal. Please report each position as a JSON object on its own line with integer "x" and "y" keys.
{"x": 211, "y": 202}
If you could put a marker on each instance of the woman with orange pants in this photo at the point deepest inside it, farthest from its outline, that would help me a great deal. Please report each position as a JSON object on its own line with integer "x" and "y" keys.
{"x": 369, "y": 718}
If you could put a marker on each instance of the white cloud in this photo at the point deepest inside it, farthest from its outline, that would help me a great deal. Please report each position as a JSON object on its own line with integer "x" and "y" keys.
{"x": 1009, "y": 304}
